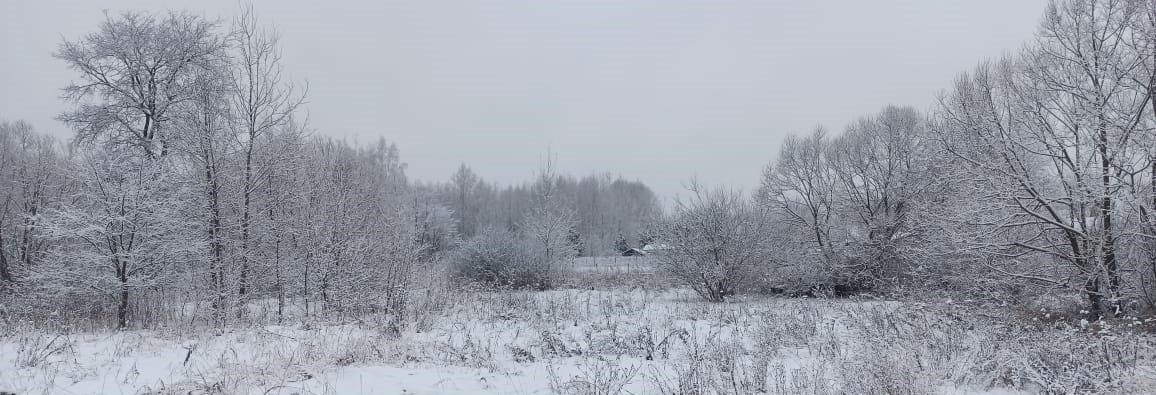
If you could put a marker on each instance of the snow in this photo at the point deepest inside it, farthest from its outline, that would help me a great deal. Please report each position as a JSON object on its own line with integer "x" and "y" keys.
{"x": 570, "y": 341}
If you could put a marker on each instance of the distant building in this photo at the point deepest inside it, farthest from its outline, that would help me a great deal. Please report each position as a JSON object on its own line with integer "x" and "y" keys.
{"x": 649, "y": 248}
{"x": 633, "y": 252}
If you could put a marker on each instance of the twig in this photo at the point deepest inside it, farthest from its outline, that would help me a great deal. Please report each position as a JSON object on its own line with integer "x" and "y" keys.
{"x": 189, "y": 354}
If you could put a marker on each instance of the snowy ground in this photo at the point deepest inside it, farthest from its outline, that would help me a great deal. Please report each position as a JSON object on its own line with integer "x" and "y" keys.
{"x": 625, "y": 337}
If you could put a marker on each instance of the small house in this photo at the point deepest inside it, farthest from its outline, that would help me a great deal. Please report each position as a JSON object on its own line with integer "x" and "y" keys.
{"x": 649, "y": 248}
{"x": 633, "y": 252}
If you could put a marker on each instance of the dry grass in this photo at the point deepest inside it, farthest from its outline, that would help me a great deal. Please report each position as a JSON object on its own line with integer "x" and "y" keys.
{"x": 618, "y": 337}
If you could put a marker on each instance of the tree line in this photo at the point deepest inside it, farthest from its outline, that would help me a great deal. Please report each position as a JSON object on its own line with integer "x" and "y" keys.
{"x": 608, "y": 211}
{"x": 1035, "y": 170}
{"x": 193, "y": 190}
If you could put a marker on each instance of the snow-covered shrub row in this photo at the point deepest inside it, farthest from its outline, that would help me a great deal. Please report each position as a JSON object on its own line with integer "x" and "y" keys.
{"x": 604, "y": 341}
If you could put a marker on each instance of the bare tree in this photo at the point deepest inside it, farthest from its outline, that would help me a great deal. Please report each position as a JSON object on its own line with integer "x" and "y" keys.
{"x": 1052, "y": 134}
{"x": 464, "y": 183}
{"x": 1143, "y": 43}
{"x": 263, "y": 100}
{"x": 284, "y": 198}
{"x": 716, "y": 239}
{"x": 884, "y": 166}
{"x": 603, "y": 206}
{"x": 548, "y": 224}
{"x": 356, "y": 238}
{"x": 7, "y": 182}
{"x": 122, "y": 231}
{"x": 30, "y": 175}
{"x": 436, "y": 227}
{"x": 205, "y": 118}
{"x": 133, "y": 71}
{"x": 801, "y": 184}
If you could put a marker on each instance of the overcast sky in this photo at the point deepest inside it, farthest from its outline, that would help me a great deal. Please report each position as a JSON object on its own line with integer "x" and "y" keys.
{"x": 657, "y": 90}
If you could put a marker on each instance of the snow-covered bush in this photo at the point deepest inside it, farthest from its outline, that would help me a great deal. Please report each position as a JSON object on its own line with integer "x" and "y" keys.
{"x": 715, "y": 240}
{"x": 503, "y": 259}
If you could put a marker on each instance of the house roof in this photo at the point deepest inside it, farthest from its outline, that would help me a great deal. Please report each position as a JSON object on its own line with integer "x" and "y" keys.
{"x": 655, "y": 247}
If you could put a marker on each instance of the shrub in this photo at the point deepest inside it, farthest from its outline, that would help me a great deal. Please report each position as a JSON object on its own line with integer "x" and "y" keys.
{"x": 503, "y": 259}
{"x": 716, "y": 240}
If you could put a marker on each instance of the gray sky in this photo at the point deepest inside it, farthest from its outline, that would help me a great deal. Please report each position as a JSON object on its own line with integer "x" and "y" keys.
{"x": 657, "y": 90}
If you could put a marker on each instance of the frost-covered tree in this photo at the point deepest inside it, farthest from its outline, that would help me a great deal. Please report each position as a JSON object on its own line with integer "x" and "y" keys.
{"x": 123, "y": 230}
{"x": 436, "y": 227}
{"x": 801, "y": 184}
{"x": 858, "y": 201}
{"x": 207, "y": 148}
{"x": 1143, "y": 43}
{"x": 603, "y": 206}
{"x": 190, "y": 164}
{"x": 885, "y": 166}
{"x": 30, "y": 183}
{"x": 1052, "y": 134}
{"x": 357, "y": 238}
{"x": 717, "y": 239}
{"x": 464, "y": 199}
{"x": 263, "y": 101}
{"x": 283, "y": 199}
{"x": 548, "y": 224}
{"x": 133, "y": 72}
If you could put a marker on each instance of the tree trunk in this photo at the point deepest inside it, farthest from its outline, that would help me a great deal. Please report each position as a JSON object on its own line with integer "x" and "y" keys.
{"x": 26, "y": 242}
{"x": 1108, "y": 247}
{"x": 5, "y": 275}
{"x": 1095, "y": 298}
{"x": 245, "y": 219}
{"x": 1152, "y": 156}
{"x": 122, "y": 307}
{"x": 1152, "y": 219}
{"x": 717, "y": 293}
{"x": 277, "y": 264}
{"x": 216, "y": 269}
{"x": 308, "y": 261}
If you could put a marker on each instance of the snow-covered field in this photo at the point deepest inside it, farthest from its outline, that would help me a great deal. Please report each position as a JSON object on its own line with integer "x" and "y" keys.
{"x": 626, "y": 337}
